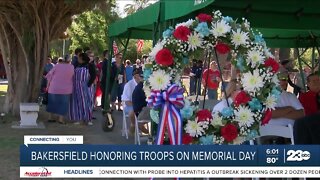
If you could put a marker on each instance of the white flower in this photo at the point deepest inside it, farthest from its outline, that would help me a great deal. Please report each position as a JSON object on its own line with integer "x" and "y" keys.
{"x": 244, "y": 116}
{"x": 275, "y": 80}
{"x": 271, "y": 102}
{"x": 159, "y": 80}
{"x": 252, "y": 82}
{"x": 187, "y": 24}
{"x": 220, "y": 28}
{"x": 203, "y": 124}
{"x": 194, "y": 129}
{"x": 194, "y": 41}
{"x": 217, "y": 120}
{"x": 255, "y": 57}
{"x": 156, "y": 49}
{"x": 147, "y": 91}
{"x": 239, "y": 38}
{"x": 239, "y": 140}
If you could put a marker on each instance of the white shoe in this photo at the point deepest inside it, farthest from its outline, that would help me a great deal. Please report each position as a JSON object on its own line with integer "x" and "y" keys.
{"x": 90, "y": 123}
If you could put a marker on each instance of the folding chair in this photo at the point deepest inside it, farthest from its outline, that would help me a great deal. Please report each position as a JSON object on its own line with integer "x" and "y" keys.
{"x": 276, "y": 130}
{"x": 124, "y": 130}
{"x": 138, "y": 134}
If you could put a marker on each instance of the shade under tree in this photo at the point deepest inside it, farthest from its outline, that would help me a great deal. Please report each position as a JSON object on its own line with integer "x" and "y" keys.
{"x": 26, "y": 28}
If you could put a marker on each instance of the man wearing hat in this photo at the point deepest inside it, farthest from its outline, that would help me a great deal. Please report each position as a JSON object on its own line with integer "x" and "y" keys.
{"x": 127, "y": 94}
{"x": 288, "y": 107}
{"x": 287, "y": 110}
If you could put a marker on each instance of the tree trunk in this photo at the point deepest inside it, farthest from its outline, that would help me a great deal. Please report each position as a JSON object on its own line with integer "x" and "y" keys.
{"x": 26, "y": 28}
{"x": 24, "y": 65}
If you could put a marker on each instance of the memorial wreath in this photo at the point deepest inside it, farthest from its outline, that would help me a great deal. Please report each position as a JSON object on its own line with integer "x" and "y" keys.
{"x": 251, "y": 107}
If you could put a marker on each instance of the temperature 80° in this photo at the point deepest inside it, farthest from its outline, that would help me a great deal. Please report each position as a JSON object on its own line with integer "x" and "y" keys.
{"x": 272, "y": 160}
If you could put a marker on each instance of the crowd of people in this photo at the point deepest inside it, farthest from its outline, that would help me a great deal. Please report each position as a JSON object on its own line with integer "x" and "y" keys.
{"x": 76, "y": 88}
{"x": 72, "y": 87}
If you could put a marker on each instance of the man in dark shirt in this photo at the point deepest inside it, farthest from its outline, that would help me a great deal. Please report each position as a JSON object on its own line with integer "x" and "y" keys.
{"x": 306, "y": 130}
{"x": 118, "y": 79}
{"x": 193, "y": 78}
{"x": 139, "y": 102}
{"x": 74, "y": 61}
{"x": 138, "y": 98}
{"x": 198, "y": 74}
{"x": 103, "y": 75}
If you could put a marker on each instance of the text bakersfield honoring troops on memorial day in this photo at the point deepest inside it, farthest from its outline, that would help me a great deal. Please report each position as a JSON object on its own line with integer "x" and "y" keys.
{"x": 142, "y": 155}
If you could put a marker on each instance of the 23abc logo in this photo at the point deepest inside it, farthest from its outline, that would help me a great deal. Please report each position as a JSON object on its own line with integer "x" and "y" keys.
{"x": 298, "y": 155}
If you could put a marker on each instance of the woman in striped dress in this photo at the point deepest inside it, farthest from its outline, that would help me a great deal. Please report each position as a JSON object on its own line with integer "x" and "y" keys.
{"x": 81, "y": 105}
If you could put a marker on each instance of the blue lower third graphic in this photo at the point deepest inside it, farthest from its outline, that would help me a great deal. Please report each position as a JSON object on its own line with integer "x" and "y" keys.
{"x": 184, "y": 155}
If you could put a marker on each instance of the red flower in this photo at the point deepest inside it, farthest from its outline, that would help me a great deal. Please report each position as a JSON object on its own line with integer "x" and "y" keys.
{"x": 164, "y": 57}
{"x": 222, "y": 48}
{"x": 182, "y": 33}
{"x": 241, "y": 98}
{"x": 267, "y": 117}
{"x": 204, "y": 115}
{"x": 229, "y": 132}
{"x": 270, "y": 62}
{"x": 204, "y": 18}
{"x": 186, "y": 139}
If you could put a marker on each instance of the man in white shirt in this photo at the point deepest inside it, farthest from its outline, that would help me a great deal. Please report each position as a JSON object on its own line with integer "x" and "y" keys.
{"x": 288, "y": 107}
{"x": 127, "y": 95}
{"x": 287, "y": 110}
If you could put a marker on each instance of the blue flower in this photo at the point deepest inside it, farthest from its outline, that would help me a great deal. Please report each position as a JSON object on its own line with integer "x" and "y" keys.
{"x": 255, "y": 104}
{"x": 240, "y": 63}
{"x": 259, "y": 39}
{"x": 252, "y": 135}
{"x": 227, "y": 112}
{"x": 185, "y": 60}
{"x": 275, "y": 92}
{"x": 186, "y": 112}
{"x": 154, "y": 116}
{"x": 167, "y": 33}
{"x": 206, "y": 140}
{"x": 227, "y": 19}
{"x": 203, "y": 29}
{"x": 147, "y": 73}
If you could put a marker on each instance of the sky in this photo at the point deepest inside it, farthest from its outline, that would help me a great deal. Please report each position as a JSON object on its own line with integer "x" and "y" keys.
{"x": 122, "y": 3}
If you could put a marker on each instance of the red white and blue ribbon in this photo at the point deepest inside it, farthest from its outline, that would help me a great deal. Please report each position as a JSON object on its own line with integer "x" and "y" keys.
{"x": 171, "y": 101}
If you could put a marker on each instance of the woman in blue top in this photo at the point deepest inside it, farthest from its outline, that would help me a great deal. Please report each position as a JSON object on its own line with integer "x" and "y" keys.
{"x": 129, "y": 70}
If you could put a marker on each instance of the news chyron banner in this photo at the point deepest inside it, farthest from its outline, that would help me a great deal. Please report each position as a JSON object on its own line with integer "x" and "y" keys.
{"x": 73, "y": 159}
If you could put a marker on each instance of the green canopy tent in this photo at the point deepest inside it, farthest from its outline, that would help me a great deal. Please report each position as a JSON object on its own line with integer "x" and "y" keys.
{"x": 283, "y": 23}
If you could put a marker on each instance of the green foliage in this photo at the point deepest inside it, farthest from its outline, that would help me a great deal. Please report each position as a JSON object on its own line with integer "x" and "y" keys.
{"x": 306, "y": 57}
{"x": 131, "y": 53}
{"x": 88, "y": 30}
